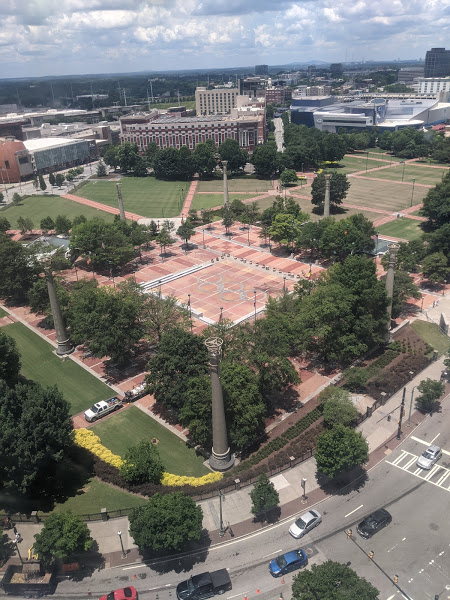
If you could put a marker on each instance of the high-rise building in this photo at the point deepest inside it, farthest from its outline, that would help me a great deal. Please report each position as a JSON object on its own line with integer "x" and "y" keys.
{"x": 218, "y": 101}
{"x": 437, "y": 62}
{"x": 261, "y": 70}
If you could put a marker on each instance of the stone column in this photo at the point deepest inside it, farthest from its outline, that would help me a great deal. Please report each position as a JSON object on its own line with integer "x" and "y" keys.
{"x": 120, "y": 201}
{"x": 62, "y": 337}
{"x": 326, "y": 206}
{"x": 221, "y": 458}
{"x": 392, "y": 250}
{"x": 226, "y": 202}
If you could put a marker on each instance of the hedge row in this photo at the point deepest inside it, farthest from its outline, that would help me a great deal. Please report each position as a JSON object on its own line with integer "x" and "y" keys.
{"x": 396, "y": 377}
{"x": 279, "y": 442}
{"x": 357, "y": 377}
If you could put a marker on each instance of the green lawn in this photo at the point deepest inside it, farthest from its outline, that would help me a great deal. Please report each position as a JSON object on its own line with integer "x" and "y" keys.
{"x": 385, "y": 195}
{"x": 3, "y": 313}
{"x": 96, "y": 495}
{"x": 131, "y": 426}
{"x": 353, "y": 164}
{"x": 408, "y": 229}
{"x": 38, "y": 207}
{"x": 431, "y": 333}
{"x": 80, "y": 388}
{"x": 144, "y": 196}
{"x": 426, "y": 175}
{"x": 236, "y": 184}
{"x": 211, "y": 200}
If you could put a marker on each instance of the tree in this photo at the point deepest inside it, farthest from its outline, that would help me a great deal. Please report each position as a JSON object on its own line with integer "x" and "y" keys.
{"x": 4, "y": 224}
{"x": 206, "y": 217}
{"x": 63, "y": 536}
{"x": 142, "y": 464}
{"x": 409, "y": 256}
{"x": 78, "y": 220}
{"x": 166, "y": 522}
{"x": 339, "y": 185}
{"x": 439, "y": 241}
{"x": 107, "y": 321}
{"x": 161, "y": 314}
{"x": 101, "y": 169}
{"x": 331, "y": 581}
{"x": 181, "y": 355}
{"x": 51, "y": 179}
{"x": 227, "y": 219}
{"x": 140, "y": 167}
{"x": 103, "y": 243}
{"x": 70, "y": 176}
{"x": 339, "y": 450}
{"x": 164, "y": 239}
{"x": 196, "y": 412}
{"x": 110, "y": 156}
{"x": 36, "y": 436}
{"x": 186, "y": 231}
{"x": 127, "y": 155}
{"x": 285, "y": 228}
{"x": 42, "y": 183}
{"x": 204, "y": 160}
{"x": 19, "y": 269}
{"x": 25, "y": 224}
{"x": 62, "y": 225}
{"x": 435, "y": 267}
{"x": 150, "y": 152}
{"x": 264, "y": 234}
{"x": 265, "y": 499}
{"x": 265, "y": 160}
{"x": 59, "y": 179}
{"x": 430, "y": 391}
{"x": 288, "y": 176}
{"x": 17, "y": 198}
{"x": 46, "y": 224}
{"x": 404, "y": 288}
{"x": 436, "y": 204}
{"x": 9, "y": 359}
{"x": 230, "y": 151}
{"x": 338, "y": 408}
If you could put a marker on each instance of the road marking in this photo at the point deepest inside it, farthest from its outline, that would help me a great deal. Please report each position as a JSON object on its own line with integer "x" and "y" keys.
{"x": 435, "y": 438}
{"x": 432, "y": 472}
{"x": 390, "y": 597}
{"x": 236, "y": 595}
{"x": 425, "y": 443}
{"x": 353, "y": 511}
{"x": 272, "y": 553}
{"x": 137, "y": 565}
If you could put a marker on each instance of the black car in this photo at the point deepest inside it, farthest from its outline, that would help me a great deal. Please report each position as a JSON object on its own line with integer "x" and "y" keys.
{"x": 373, "y": 523}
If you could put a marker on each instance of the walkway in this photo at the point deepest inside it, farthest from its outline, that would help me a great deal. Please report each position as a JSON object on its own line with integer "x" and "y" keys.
{"x": 99, "y": 206}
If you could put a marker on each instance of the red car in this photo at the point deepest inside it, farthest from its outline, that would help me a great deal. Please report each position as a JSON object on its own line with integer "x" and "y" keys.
{"x": 127, "y": 593}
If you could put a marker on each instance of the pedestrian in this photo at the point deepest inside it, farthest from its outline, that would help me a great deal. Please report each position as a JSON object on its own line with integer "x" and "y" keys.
{"x": 18, "y": 538}
{"x": 15, "y": 530}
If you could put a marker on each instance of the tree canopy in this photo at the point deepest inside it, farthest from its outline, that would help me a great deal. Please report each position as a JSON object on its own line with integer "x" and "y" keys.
{"x": 63, "y": 535}
{"x": 436, "y": 204}
{"x": 265, "y": 498}
{"x": 142, "y": 464}
{"x": 339, "y": 185}
{"x": 339, "y": 450}
{"x": 19, "y": 269}
{"x": 9, "y": 359}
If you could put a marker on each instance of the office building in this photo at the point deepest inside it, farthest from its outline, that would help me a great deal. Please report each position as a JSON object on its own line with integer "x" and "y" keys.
{"x": 409, "y": 75}
{"x": 53, "y": 154}
{"x": 437, "y": 62}
{"x": 252, "y": 87}
{"x": 261, "y": 70}
{"x": 433, "y": 85}
{"x": 218, "y": 101}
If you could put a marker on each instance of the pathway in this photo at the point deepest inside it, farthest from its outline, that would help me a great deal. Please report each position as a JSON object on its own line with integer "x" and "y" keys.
{"x": 99, "y": 206}
{"x": 189, "y": 197}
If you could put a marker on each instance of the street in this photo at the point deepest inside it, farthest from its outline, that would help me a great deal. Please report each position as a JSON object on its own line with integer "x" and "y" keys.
{"x": 414, "y": 547}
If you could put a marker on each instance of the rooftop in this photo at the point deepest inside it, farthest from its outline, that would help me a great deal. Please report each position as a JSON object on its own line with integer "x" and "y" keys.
{"x": 49, "y": 142}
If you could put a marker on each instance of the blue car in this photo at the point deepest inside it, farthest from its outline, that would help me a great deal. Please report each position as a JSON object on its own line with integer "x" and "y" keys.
{"x": 285, "y": 563}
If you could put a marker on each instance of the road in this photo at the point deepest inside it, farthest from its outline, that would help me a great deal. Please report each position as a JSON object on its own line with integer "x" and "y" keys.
{"x": 415, "y": 546}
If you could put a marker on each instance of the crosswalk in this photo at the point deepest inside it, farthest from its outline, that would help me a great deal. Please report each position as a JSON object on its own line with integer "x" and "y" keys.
{"x": 437, "y": 475}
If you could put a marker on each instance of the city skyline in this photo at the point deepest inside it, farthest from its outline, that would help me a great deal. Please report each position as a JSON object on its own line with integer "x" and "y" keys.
{"x": 68, "y": 37}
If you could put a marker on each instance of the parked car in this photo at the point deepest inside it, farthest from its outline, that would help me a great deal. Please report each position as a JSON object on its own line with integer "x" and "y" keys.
{"x": 429, "y": 457}
{"x": 290, "y": 561}
{"x": 205, "y": 585}
{"x": 305, "y": 523}
{"x": 373, "y": 523}
{"x": 102, "y": 408}
{"x": 126, "y": 593}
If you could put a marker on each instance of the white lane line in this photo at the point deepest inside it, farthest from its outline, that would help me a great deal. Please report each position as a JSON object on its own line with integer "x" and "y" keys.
{"x": 159, "y": 587}
{"x": 390, "y": 597}
{"x": 399, "y": 458}
{"x": 393, "y": 547}
{"x": 272, "y": 553}
{"x": 409, "y": 463}
{"x": 432, "y": 472}
{"x": 136, "y": 566}
{"x": 435, "y": 438}
{"x": 443, "y": 478}
{"x": 403, "y": 539}
{"x": 353, "y": 511}
{"x": 418, "y": 476}
{"x": 425, "y": 443}
{"x": 236, "y": 595}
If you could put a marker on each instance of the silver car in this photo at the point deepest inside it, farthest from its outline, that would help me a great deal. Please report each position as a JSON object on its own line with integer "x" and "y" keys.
{"x": 305, "y": 523}
{"x": 429, "y": 457}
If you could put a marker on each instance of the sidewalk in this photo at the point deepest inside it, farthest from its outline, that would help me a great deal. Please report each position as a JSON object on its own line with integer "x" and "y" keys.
{"x": 378, "y": 430}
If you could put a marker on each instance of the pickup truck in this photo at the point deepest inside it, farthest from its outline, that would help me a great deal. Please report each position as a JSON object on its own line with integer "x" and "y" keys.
{"x": 104, "y": 407}
{"x": 204, "y": 585}
{"x": 29, "y": 580}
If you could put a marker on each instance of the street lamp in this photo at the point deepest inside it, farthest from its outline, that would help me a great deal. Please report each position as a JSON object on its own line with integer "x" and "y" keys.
{"x": 221, "y": 499}
{"x": 412, "y": 193}
{"x": 254, "y": 302}
{"x": 402, "y": 410}
{"x": 124, "y": 554}
{"x": 403, "y": 172}
{"x": 248, "y": 234}
{"x": 367, "y": 159}
{"x": 284, "y": 284}
{"x": 304, "y": 490}
{"x": 376, "y": 247}
{"x": 408, "y": 424}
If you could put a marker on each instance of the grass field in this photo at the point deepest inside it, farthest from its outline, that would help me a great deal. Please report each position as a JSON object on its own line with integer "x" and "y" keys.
{"x": 353, "y": 164}
{"x": 38, "y": 207}
{"x": 408, "y": 229}
{"x": 431, "y": 333}
{"x": 80, "y": 388}
{"x": 131, "y": 426}
{"x": 3, "y": 313}
{"x": 426, "y": 175}
{"x": 144, "y": 196}
{"x": 96, "y": 495}
{"x": 211, "y": 200}
{"x": 238, "y": 184}
{"x": 384, "y": 195}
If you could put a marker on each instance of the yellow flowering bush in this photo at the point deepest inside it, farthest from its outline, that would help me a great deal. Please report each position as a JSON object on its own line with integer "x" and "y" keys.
{"x": 90, "y": 441}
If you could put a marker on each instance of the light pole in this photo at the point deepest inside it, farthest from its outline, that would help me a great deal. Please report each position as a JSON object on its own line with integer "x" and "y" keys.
{"x": 408, "y": 424}
{"x": 376, "y": 247}
{"x": 124, "y": 554}
{"x": 402, "y": 410}
{"x": 254, "y": 302}
{"x": 248, "y": 234}
{"x": 412, "y": 193}
{"x": 221, "y": 314}
{"x": 304, "y": 490}
{"x": 203, "y": 233}
{"x": 190, "y": 309}
{"x": 367, "y": 159}
{"x": 284, "y": 284}
{"x": 403, "y": 172}
{"x": 18, "y": 551}
{"x": 221, "y": 500}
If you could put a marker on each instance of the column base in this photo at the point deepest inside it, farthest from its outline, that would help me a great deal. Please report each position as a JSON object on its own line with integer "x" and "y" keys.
{"x": 221, "y": 462}
{"x": 64, "y": 348}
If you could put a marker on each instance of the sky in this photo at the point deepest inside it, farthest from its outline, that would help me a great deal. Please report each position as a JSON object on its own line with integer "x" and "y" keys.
{"x": 64, "y": 37}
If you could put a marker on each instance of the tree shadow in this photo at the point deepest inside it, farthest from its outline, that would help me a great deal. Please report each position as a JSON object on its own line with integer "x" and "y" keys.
{"x": 195, "y": 553}
{"x": 89, "y": 562}
{"x": 269, "y": 516}
{"x": 7, "y": 549}
{"x": 344, "y": 483}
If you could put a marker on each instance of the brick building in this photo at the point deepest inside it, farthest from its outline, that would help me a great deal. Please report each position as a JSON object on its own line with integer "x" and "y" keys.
{"x": 15, "y": 161}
